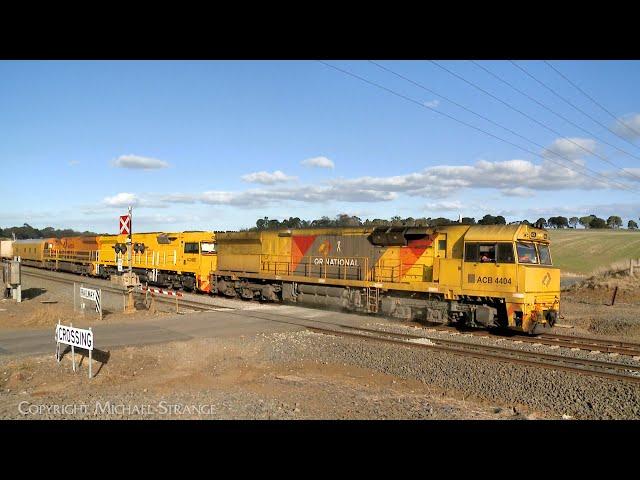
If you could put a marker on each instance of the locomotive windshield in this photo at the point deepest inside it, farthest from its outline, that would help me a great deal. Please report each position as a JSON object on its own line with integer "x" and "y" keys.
{"x": 526, "y": 252}
{"x": 533, "y": 253}
{"x": 545, "y": 255}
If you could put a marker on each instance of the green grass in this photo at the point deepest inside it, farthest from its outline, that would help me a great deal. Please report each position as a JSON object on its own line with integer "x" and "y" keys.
{"x": 583, "y": 251}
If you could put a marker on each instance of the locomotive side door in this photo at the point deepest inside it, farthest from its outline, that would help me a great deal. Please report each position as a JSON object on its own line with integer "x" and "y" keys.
{"x": 440, "y": 253}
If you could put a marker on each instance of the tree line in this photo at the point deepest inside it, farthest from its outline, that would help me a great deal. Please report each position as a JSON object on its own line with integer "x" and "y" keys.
{"x": 27, "y": 231}
{"x": 344, "y": 220}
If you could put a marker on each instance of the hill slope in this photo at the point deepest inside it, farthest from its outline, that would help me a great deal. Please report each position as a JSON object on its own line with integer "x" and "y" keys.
{"x": 582, "y": 251}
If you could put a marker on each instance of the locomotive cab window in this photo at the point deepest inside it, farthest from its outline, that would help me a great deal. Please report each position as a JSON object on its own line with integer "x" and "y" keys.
{"x": 480, "y": 252}
{"x": 527, "y": 252}
{"x": 544, "y": 254}
{"x": 208, "y": 247}
{"x": 191, "y": 247}
{"x": 505, "y": 253}
{"x": 489, "y": 252}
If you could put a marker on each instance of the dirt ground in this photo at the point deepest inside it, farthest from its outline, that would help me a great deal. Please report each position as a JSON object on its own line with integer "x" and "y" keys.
{"x": 43, "y": 311}
{"x": 590, "y": 307}
{"x": 224, "y": 378}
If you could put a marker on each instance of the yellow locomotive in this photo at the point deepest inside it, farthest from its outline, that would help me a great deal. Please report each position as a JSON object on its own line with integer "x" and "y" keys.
{"x": 468, "y": 274}
{"x": 178, "y": 260}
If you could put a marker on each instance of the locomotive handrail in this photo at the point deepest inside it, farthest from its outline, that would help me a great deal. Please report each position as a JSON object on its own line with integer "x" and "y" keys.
{"x": 71, "y": 255}
{"x": 284, "y": 265}
{"x": 395, "y": 270}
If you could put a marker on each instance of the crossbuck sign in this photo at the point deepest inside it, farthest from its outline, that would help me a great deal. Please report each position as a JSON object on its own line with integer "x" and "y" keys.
{"x": 125, "y": 224}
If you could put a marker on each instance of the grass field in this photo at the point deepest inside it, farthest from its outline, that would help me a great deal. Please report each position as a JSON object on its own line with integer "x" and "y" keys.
{"x": 582, "y": 251}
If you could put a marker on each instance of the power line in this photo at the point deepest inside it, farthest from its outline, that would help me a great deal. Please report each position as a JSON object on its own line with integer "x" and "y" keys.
{"x": 486, "y": 118}
{"x": 569, "y": 103}
{"x": 553, "y": 111}
{"x": 636, "y": 132}
{"x": 412, "y": 100}
{"x": 507, "y": 104}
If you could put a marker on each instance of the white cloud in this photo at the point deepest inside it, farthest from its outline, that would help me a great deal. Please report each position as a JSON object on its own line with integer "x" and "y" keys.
{"x": 628, "y": 126}
{"x": 264, "y": 197}
{"x": 572, "y": 148}
{"x": 122, "y": 200}
{"x": 518, "y": 192}
{"x": 432, "y": 103}
{"x": 446, "y": 206}
{"x": 318, "y": 162}
{"x": 138, "y": 162}
{"x": 73, "y": 163}
{"x": 267, "y": 178}
{"x": 444, "y": 180}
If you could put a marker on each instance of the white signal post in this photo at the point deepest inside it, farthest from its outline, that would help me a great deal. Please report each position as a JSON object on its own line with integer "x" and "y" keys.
{"x": 130, "y": 246}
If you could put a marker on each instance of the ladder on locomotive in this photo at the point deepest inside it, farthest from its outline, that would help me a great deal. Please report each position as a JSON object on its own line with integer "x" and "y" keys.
{"x": 373, "y": 299}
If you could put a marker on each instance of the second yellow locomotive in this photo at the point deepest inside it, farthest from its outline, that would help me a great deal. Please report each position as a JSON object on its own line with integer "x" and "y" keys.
{"x": 475, "y": 275}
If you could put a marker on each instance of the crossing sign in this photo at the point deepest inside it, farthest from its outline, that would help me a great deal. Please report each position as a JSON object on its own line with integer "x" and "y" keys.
{"x": 125, "y": 224}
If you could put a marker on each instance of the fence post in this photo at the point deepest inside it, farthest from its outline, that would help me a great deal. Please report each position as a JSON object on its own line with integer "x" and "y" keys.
{"x": 631, "y": 267}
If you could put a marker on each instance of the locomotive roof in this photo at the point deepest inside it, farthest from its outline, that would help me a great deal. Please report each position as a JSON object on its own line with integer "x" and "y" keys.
{"x": 508, "y": 233}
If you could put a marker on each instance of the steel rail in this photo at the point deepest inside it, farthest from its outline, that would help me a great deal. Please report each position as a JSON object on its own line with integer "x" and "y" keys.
{"x": 551, "y": 339}
{"x": 569, "y": 364}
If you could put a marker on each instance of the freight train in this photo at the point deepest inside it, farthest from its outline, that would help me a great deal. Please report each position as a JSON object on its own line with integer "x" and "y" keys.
{"x": 474, "y": 275}
{"x": 171, "y": 260}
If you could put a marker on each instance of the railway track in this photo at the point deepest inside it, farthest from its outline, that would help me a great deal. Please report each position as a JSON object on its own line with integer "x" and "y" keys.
{"x": 556, "y": 340}
{"x": 604, "y": 369}
{"x": 88, "y": 282}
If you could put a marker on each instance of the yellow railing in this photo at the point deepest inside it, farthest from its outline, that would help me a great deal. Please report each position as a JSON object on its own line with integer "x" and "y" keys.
{"x": 395, "y": 271}
{"x": 74, "y": 256}
{"x": 317, "y": 267}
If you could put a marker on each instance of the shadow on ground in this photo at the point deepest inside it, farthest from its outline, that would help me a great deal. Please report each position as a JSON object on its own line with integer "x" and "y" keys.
{"x": 97, "y": 355}
{"x": 33, "y": 292}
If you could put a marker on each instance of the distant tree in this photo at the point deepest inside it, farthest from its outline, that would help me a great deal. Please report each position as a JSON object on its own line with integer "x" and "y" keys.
{"x": 573, "y": 222}
{"x": 322, "y": 222}
{"x": 440, "y": 221}
{"x": 541, "y": 222}
{"x": 598, "y": 223}
{"x": 344, "y": 220}
{"x": 558, "y": 222}
{"x": 487, "y": 220}
{"x": 614, "y": 221}
{"x": 632, "y": 225}
{"x": 468, "y": 221}
{"x": 586, "y": 221}
{"x": 261, "y": 223}
{"x": 500, "y": 220}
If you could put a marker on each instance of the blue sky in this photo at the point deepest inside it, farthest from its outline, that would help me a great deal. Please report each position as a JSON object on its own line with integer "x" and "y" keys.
{"x": 227, "y": 142}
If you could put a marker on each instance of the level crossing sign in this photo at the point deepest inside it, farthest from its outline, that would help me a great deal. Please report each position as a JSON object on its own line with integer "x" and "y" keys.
{"x": 125, "y": 224}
